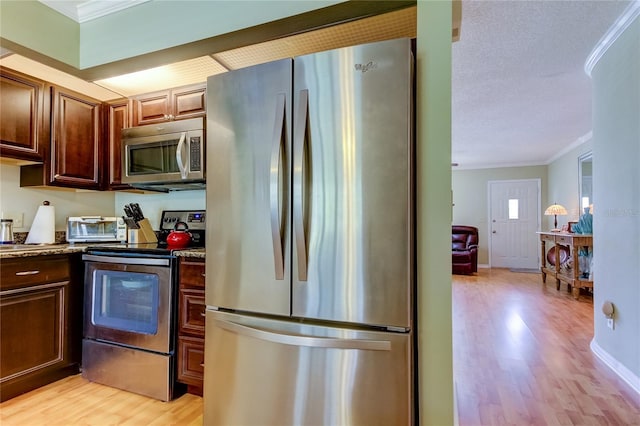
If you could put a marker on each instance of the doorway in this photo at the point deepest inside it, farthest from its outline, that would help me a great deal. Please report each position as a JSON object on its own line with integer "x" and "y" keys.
{"x": 514, "y": 218}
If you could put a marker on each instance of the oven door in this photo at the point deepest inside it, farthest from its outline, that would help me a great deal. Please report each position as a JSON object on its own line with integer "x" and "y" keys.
{"x": 128, "y": 301}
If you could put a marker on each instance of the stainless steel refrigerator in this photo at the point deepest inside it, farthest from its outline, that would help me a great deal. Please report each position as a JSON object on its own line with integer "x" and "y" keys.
{"x": 310, "y": 249}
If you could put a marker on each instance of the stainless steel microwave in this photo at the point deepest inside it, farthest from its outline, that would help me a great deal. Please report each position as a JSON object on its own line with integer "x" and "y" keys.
{"x": 165, "y": 156}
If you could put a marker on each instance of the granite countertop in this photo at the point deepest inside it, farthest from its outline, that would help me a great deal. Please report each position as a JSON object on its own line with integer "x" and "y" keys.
{"x": 194, "y": 252}
{"x": 28, "y": 250}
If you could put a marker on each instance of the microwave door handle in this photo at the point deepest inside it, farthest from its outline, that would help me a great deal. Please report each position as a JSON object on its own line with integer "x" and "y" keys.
{"x": 181, "y": 166}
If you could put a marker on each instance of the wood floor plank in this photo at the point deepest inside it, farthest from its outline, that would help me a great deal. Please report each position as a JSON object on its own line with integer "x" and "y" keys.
{"x": 522, "y": 356}
{"x": 76, "y": 401}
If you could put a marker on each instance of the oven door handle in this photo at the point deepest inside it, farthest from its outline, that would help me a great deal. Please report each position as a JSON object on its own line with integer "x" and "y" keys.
{"x": 127, "y": 260}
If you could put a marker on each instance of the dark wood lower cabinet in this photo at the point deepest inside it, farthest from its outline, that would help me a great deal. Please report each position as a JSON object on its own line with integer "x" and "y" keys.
{"x": 40, "y": 322}
{"x": 191, "y": 325}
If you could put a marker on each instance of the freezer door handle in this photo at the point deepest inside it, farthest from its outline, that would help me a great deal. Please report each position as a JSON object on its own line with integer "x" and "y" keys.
{"x": 275, "y": 186}
{"x": 300, "y": 135}
{"x": 300, "y": 340}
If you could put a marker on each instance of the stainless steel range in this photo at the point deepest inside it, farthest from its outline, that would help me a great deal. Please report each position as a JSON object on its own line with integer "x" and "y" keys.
{"x": 131, "y": 309}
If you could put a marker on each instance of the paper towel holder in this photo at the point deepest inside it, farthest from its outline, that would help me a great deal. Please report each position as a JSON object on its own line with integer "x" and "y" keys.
{"x": 43, "y": 227}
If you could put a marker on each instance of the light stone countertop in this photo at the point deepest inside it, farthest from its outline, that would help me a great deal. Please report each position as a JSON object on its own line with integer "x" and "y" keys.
{"x": 23, "y": 250}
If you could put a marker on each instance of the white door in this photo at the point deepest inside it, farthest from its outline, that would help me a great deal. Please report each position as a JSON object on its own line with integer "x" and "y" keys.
{"x": 514, "y": 216}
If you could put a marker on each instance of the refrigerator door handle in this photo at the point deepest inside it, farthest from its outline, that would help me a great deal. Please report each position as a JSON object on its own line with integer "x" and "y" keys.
{"x": 181, "y": 166}
{"x": 274, "y": 188}
{"x": 300, "y": 133}
{"x": 299, "y": 340}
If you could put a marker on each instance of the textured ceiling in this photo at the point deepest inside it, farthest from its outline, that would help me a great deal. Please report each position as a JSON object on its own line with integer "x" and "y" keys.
{"x": 520, "y": 95}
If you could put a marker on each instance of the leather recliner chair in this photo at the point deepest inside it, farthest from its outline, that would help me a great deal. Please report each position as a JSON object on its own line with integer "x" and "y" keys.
{"x": 464, "y": 249}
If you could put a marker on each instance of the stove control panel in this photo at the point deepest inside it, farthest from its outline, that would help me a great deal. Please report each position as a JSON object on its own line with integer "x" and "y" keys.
{"x": 195, "y": 219}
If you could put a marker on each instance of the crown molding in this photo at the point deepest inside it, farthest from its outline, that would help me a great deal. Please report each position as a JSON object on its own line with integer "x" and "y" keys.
{"x": 582, "y": 139}
{"x": 617, "y": 29}
{"x": 83, "y": 11}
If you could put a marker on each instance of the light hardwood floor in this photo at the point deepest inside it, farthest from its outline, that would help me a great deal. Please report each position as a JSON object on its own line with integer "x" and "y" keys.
{"x": 75, "y": 401}
{"x": 521, "y": 357}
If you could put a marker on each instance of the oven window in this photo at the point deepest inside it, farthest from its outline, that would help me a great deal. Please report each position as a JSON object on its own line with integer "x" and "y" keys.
{"x": 126, "y": 301}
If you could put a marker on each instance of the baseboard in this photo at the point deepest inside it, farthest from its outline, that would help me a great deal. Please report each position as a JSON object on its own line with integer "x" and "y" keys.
{"x": 484, "y": 266}
{"x": 623, "y": 372}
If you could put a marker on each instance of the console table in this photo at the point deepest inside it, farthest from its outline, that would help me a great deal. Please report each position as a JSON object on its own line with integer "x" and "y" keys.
{"x": 571, "y": 276}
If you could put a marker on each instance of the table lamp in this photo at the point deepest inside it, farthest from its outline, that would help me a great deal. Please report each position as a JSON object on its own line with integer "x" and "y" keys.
{"x": 555, "y": 210}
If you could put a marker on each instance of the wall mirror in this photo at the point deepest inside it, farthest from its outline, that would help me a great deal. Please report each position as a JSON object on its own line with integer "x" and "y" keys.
{"x": 585, "y": 181}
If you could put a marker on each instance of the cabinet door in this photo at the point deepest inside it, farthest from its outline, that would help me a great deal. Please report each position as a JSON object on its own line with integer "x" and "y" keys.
{"x": 76, "y": 146}
{"x": 118, "y": 118}
{"x": 189, "y": 102}
{"x": 191, "y": 362}
{"x": 23, "y": 133}
{"x": 152, "y": 108}
{"x": 192, "y": 311}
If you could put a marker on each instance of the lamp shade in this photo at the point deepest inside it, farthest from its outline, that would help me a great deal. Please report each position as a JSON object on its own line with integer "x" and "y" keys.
{"x": 555, "y": 209}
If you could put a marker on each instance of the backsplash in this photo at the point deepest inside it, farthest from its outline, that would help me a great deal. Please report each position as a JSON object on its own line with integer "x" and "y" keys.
{"x": 21, "y": 237}
{"x": 153, "y": 204}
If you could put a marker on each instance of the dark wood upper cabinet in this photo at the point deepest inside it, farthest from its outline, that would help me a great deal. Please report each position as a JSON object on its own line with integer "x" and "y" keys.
{"x": 76, "y": 152}
{"x": 167, "y": 105}
{"x": 23, "y": 119}
{"x": 76, "y": 142}
{"x": 118, "y": 117}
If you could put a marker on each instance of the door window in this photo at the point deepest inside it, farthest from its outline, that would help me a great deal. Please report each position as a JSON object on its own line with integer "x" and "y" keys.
{"x": 125, "y": 301}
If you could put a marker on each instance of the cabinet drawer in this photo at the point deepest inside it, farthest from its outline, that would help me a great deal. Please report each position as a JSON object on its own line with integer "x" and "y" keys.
{"x": 563, "y": 240}
{"x": 192, "y": 274}
{"x": 192, "y": 308}
{"x": 23, "y": 272}
{"x": 190, "y": 360}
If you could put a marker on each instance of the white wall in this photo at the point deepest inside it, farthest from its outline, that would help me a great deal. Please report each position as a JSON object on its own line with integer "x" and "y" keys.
{"x": 616, "y": 187}
{"x": 564, "y": 185}
{"x": 14, "y": 199}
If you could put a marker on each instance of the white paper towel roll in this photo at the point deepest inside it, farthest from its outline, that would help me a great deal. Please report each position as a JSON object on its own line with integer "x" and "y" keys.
{"x": 43, "y": 228}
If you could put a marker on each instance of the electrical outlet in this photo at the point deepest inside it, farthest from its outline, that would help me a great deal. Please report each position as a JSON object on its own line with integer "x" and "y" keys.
{"x": 18, "y": 219}
{"x": 610, "y": 323}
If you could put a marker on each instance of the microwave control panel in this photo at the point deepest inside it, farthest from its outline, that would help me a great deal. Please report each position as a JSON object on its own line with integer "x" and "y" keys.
{"x": 195, "y": 151}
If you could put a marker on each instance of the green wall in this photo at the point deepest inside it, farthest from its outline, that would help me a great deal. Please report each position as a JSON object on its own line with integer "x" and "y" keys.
{"x": 59, "y": 38}
{"x": 616, "y": 187}
{"x": 471, "y": 197}
{"x": 157, "y": 25}
{"x": 433, "y": 205}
